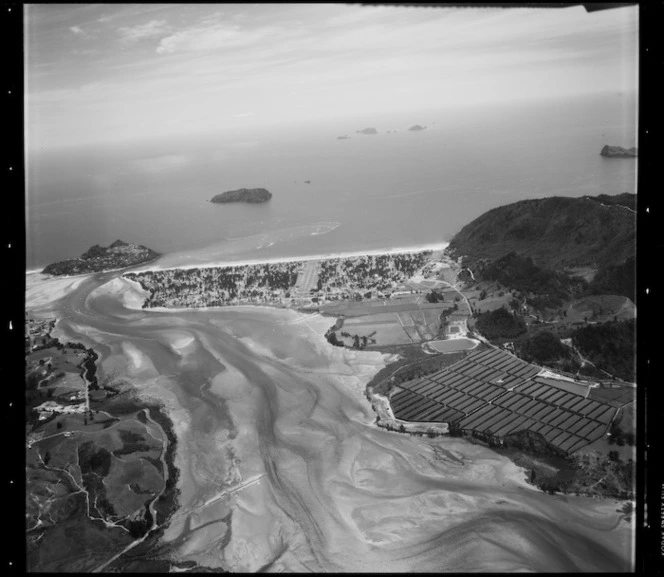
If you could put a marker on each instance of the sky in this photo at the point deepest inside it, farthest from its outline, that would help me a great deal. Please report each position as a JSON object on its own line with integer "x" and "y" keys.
{"x": 118, "y": 73}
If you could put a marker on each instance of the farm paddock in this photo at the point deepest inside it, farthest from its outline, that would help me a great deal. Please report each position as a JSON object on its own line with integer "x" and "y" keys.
{"x": 493, "y": 394}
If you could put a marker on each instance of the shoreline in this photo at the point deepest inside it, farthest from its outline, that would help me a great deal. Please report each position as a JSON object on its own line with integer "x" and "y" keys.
{"x": 277, "y": 260}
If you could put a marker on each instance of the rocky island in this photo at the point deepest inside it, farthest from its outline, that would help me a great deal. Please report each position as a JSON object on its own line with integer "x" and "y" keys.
{"x": 118, "y": 255}
{"x": 367, "y": 131}
{"x": 618, "y": 152}
{"x": 251, "y": 195}
{"x": 417, "y": 127}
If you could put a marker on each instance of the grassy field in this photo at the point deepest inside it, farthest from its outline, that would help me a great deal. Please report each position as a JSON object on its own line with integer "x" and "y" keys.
{"x": 453, "y": 345}
{"x": 403, "y": 324}
{"x": 601, "y": 308}
{"x": 116, "y": 461}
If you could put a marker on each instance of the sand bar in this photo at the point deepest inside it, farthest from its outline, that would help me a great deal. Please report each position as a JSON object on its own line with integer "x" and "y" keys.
{"x": 329, "y": 256}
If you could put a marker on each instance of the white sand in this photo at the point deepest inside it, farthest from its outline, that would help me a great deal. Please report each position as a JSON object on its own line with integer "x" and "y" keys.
{"x": 42, "y": 290}
{"x": 129, "y": 292}
{"x": 329, "y": 256}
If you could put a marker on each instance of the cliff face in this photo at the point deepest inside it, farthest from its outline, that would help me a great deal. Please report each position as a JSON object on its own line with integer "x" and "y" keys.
{"x": 97, "y": 258}
{"x": 555, "y": 232}
{"x": 618, "y": 152}
{"x": 252, "y": 195}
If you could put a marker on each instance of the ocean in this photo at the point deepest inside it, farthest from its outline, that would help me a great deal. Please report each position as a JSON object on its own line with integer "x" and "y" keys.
{"x": 367, "y": 192}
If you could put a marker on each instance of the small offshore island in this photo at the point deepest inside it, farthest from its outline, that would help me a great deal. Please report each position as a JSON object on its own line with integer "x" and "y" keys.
{"x": 118, "y": 255}
{"x": 250, "y": 195}
{"x": 618, "y": 152}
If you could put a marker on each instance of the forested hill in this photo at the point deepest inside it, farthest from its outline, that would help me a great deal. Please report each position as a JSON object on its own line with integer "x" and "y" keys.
{"x": 555, "y": 232}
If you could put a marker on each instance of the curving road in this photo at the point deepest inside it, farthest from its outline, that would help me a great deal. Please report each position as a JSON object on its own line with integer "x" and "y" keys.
{"x": 266, "y": 404}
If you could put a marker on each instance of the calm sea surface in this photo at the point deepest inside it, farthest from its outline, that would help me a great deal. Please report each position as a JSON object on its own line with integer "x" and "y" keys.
{"x": 367, "y": 192}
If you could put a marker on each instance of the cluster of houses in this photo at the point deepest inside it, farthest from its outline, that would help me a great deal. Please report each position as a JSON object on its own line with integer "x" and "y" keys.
{"x": 284, "y": 283}
{"x": 37, "y": 333}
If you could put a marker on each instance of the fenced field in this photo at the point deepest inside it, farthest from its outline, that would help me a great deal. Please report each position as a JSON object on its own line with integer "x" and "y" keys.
{"x": 496, "y": 394}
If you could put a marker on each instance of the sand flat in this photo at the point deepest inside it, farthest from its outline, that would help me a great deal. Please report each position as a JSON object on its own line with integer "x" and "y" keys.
{"x": 273, "y": 424}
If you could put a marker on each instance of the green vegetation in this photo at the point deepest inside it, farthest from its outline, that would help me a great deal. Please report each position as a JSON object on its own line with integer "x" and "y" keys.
{"x": 548, "y": 288}
{"x": 610, "y": 346}
{"x": 555, "y": 232}
{"x": 620, "y": 437}
{"x": 616, "y": 279}
{"x": 500, "y": 324}
{"x": 542, "y": 348}
{"x": 434, "y": 297}
{"x": 589, "y": 473}
{"x": 98, "y": 258}
{"x": 625, "y": 199}
{"x": 250, "y": 195}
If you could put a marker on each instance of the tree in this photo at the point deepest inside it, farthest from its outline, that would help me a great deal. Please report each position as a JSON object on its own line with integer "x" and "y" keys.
{"x": 59, "y": 425}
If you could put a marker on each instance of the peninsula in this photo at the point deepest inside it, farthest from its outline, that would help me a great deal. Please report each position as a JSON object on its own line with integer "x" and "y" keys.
{"x": 118, "y": 255}
{"x": 618, "y": 152}
{"x": 251, "y": 195}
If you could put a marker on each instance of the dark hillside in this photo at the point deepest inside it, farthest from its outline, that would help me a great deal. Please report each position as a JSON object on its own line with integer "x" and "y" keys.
{"x": 618, "y": 280}
{"x": 555, "y": 232}
{"x": 520, "y": 273}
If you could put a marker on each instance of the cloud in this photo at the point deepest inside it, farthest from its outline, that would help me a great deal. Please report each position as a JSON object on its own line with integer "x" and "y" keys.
{"x": 77, "y": 30}
{"x": 242, "y": 114}
{"x": 152, "y": 29}
{"x": 212, "y": 37}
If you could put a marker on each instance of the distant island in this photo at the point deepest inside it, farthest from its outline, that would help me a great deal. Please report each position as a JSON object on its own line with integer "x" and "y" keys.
{"x": 345, "y": 137}
{"x": 367, "y": 131}
{"x": 618, "y": 152}
{"x": 417, "y": 127}
{"x": 251, "y": 195}
{"x": 118, "y": 255}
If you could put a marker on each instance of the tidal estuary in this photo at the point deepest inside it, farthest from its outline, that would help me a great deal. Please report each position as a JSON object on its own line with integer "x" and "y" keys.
{"x": 282, "y": 467}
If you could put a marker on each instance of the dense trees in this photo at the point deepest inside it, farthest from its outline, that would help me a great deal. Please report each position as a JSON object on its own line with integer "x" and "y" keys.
{"x": 270, "y": 283}
{"x": 611, "y": 346}
{"x": 434, "y": 297}
{"x": 500, "y": 324}
{"x": 544, "y": 347}
{"x": 616, "y": 280}
{"x": 547, "y": 287}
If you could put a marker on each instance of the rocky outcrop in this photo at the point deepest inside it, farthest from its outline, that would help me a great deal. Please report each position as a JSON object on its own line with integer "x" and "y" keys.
{"x": 97, "y": 258}
{"x": 618, "y": 152}
{"x": 251, "y": 195}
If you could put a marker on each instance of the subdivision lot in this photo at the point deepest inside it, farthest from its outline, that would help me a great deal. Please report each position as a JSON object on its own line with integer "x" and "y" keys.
{"x": 515, "y": 400}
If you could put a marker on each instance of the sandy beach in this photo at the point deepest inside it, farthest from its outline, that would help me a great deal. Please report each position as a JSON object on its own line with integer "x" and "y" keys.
{"x": 42, "y": 290}
{"x": 156, "y": 266}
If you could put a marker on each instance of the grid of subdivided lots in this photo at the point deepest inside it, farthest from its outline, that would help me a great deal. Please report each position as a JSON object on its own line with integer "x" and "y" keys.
{"x": 496, "y": 393}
